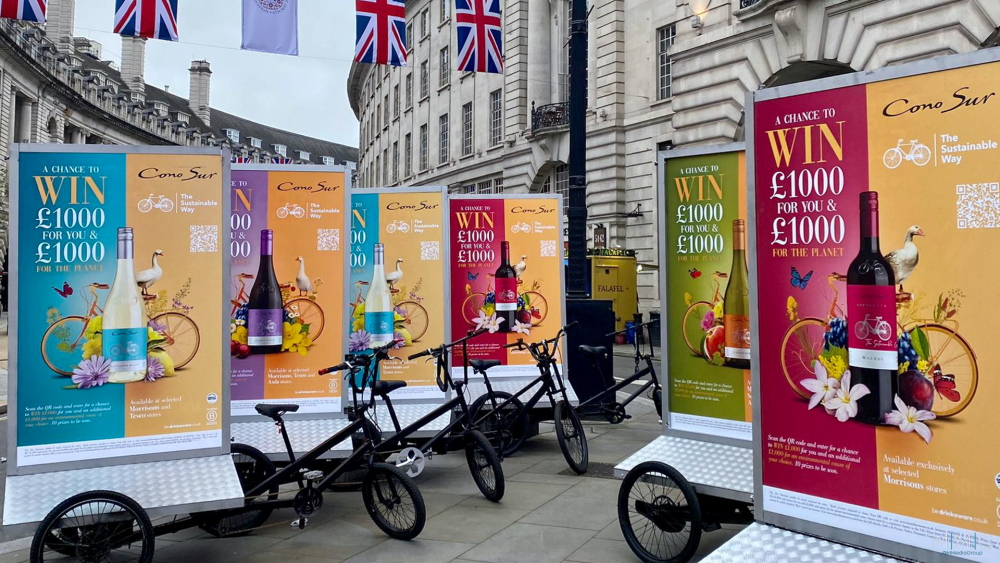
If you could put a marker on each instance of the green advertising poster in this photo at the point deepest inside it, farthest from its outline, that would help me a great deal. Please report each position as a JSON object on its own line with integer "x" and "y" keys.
{"x": 707, "y": 295}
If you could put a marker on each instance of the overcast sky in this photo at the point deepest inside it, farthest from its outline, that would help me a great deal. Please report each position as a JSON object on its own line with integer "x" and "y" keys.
{"x": 305, "y": 94}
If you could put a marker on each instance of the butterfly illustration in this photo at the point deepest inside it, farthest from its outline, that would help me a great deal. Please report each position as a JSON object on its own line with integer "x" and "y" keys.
{"x": 66, "y": 290}
{"x": 695, "y": 273}
{"x": 800, "y": 281}
{"x": 471, "y": 276}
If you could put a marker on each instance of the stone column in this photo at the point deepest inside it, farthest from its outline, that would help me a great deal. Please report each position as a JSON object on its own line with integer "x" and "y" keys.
{"x": 78, "y": 137}
{"x": 540, "y": 75}
{"x": 24, "y": 127}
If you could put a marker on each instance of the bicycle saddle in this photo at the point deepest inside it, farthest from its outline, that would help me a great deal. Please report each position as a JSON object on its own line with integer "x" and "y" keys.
{"x": 482, "y": 365}
{"x": 275, "y": 411}
{"x": 383, "y": 388}
{"x": 594, "y": 351}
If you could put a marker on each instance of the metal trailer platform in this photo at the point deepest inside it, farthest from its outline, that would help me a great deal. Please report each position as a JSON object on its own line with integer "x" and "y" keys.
{"x": 162, "y": 488}
{"x": 713, "y": 469}
{"x": 760, "y": 543}
{"x": 307, "y": 434}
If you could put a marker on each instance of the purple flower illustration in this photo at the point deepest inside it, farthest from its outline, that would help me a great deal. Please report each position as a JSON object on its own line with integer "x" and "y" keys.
{"x": 708, "y": 321}
{"x": 154, "y": 369}
{"x": 92, "y": 372}
{"x": 360, "y": 340}
{"x": 157, "y": 326}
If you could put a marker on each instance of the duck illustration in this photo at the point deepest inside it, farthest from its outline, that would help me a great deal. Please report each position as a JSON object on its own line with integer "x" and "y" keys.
{"x": 302, "y": 281}
{"x": 904, "y": 260}
{"x": 521, "y": 266}
{"x": 394, "y": 276}
{"x": 146, "y": 278}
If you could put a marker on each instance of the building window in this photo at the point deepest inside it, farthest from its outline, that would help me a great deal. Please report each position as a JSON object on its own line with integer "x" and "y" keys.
{"x": 425, "y": 27}
{"x": 443, "y": 140}
{"x": 385, "y": 167}
{"x": 424, "y": 80}
{"x": 281, "y": 149}
{"x": 233, "y": 135}
{"x": 385, "y": 108}
{"x": 378, "y": 168}
{"x": 328, "y": 160}
{"x": 445, "y": 68}
{"x": 256, "y": 143}
{"x": 409, "y": 91}
{"x": 378, "y": 116}
{"x": 409, "y": 36}
{"x": 444, "y": 10}
{"x": 395, "y": 101}
{"x": 304, "y": 155}
{"x": 395, "y": 162}
{"x": 498, "y": 185}
{"x": 496, "y": 117}
{"x": 467, "y": 129}
{"x": 558, "y": 183}
{"x": 664, "y": 39}
{"x": 408, "y": 156}
{"x": 423, "y": 147}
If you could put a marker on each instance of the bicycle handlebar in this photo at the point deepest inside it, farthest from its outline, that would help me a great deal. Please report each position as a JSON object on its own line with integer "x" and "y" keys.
{"x": 445, "y": 347}
{"x": 650, "y": 323}
{"x": 519, "y": 344}
{"x": 338, "y": 367}
{"x": 426, "y": 352}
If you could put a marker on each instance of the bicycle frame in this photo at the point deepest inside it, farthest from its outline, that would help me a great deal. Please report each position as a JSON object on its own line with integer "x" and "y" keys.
{"x": 598, "y": 400}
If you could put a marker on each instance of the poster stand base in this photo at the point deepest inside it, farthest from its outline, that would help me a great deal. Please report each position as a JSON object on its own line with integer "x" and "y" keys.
{"x": 762, "y": 543}
{"x": 162, "y": 488}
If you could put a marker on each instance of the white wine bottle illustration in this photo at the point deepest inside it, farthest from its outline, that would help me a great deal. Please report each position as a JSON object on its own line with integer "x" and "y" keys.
{"x": 379, "y": 316}
{"x": 124, "y": 320}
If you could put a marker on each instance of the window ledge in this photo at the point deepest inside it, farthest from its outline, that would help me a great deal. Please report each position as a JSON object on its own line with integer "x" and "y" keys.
{"x": 663, "y": 102}
{"x": 395, "y": 118}
{"x": 407, "y": 110}
{"x": 444, "y": 87}
{"x": 467, "y": 156}
{"x": 494, "y": 148}
{"x": 445, "y": 22}
{"x": 424, "y": 99}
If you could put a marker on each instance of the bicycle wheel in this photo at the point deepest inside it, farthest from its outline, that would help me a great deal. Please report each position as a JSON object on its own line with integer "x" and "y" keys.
{"x": 892, "y": 158}
{"x": 691, "y": 325}
{"x": 393, "y": 501}
{"x": 390, "y": 228}
{"x": 537, "y": 301}
{"x": 471, "y": 307}
{"x": 800, "y": 347}
{"x": 281, "y": 212}
{"x": 921, "y": 155}
{"x": 94, "y": 526}
{"x": 298, "y": 213}
{"x": 572, "y": 438}
{"x": 951, "y": 358}
{"x": 659, "y": 514}
{"x": 182, "y": 335}
{"x": 145, "y": 206}
{"x": 416, "y": 318}
{"x": 252, "y": 467}
{"x": 61, "y": 344}
{"x": 505, "y": 427}
{"x": 484, "y": 465}
{"x": 311, "y": 314}
{"x": 166, "y": 205}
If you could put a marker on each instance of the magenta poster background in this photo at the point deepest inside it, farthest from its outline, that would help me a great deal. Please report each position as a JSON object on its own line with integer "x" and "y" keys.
{"x": 248, "y": 186}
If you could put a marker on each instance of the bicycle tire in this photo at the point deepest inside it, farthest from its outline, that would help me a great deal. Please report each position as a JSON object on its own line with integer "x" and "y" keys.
{"x": 693, "y": 310}
{"x": 179, "y": 324}
{"x": 799, "y": 331}
{"x": 659, "y": 511}
{"x": 165, "y": 205}
{"x": 252, "y": 467}
{"x": 484, "y": 465}
{"x": 507, "y": 430}
{"x": 572, "y": 440}
{"x": 397, "y": 483}
{"x": 49, "y": 332}
{"x": 145, "y": 206}
{"x": 46, "y": 534}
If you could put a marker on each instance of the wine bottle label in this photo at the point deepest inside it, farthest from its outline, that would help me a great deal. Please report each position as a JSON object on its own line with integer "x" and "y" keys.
{"x": 871, "y": 322}
{"x": 125, "y": 348}
{"x": 506, "y": 294}
{"x": 265, "y": 327}
{"x": 380, "y": 326}
{"x": 737, "y": 329}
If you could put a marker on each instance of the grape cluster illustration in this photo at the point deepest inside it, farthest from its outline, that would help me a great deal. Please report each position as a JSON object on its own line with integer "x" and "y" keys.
{"x": 836, "y": 334}
{"x": 905, "y": 350}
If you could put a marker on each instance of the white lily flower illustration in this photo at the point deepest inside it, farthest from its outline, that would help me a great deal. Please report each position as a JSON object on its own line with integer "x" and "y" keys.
{"x": 845, "y": 401}
{"x": 823, "y": 387}
{"x": 522, "y": 328}
{"x": 909, "y": 419}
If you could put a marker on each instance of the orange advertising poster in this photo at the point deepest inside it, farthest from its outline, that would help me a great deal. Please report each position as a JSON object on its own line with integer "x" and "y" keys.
{"x": 506, "y": 273}
{"x": 287, "y": 286}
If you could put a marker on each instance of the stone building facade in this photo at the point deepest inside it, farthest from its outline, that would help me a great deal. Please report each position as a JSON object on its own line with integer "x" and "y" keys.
{"x": 662, "y": 74}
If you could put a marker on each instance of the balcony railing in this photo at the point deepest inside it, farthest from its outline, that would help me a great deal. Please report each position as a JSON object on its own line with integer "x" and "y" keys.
{"x": 549, "y": 116}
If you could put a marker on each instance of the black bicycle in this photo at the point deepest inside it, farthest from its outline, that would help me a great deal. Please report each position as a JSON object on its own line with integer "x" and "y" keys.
{"x": 503, "y": 417}
{"x": 100, "y": 525}
{"x": 605, "y": 403}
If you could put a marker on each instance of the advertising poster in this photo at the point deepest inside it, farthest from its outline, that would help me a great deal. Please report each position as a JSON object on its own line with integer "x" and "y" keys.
{"x": 118, "y": 305}
{"x": 286, "y": 298}
{"x": 506, "y": 271}
{"x": 877, "y": 408}
{"x": 707, "y": 295}
{"x": 396, "y": 292}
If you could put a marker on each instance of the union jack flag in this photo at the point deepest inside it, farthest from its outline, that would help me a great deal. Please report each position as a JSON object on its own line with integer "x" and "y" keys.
{"x": 27, "y": 10}
{"x": 480, "y": 35}
{"x": 244, "y": 160}
{"x": 155, "y": 19}
{"x": 280, "y": 160}
{"x": 381, "y": 32}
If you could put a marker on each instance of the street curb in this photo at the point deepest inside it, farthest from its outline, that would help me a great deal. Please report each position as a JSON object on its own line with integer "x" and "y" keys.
{"x": 15, "y": 545}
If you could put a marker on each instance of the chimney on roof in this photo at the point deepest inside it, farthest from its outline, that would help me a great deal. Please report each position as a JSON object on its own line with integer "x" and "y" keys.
{"x": 199, "y": 94}
{"x": 134, "y": 63}
{"x": 59, "y": 27}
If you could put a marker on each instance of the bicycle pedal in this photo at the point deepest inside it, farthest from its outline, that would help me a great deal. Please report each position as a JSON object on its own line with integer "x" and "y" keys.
{"x": 300, "y": 523}
{"x": 313, "y": 475}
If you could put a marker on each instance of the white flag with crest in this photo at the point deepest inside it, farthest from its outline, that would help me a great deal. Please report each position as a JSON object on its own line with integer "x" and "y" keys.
{"x": 271, "y": 26}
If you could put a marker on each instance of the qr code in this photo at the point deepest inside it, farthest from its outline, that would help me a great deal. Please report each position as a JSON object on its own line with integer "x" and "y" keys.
{"x": 548, "y": 248}
{"x": 328, "y": 240}
{"x": 978, "y": 206}
{"x": 430, "y": 250}
{"x": 204, "y": 238}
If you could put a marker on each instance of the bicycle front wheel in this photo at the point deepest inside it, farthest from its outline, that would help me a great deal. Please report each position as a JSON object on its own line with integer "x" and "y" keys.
{"x": 506, "y": 426}
{"x": 951, "y": 359}
{"x": 311, "y": 314}
{"x": 393, "y": 501}
{"x": 800, "y": 347}
{"x": 571, "y": 437}
{"x": 539, "y": 307}
{"x": 182, "y": 337}
{"x": 94, "y": 526}
{"x": 659, "y": 514}
{"x": 484, "y": 465}
{"x": 691, "y": 325}
{"x": 471, "y": 307}
{"x": 61, "y": 344}
{"x": 416, "y": 318}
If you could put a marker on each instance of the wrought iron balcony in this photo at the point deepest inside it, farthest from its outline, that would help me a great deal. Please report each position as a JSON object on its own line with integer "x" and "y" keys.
{"x": 549, "y": 116}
